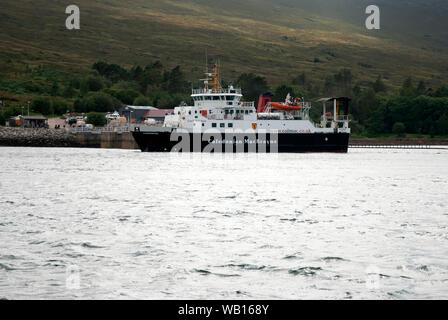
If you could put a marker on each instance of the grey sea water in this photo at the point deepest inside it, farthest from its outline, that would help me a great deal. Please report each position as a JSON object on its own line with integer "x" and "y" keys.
{"x": 121, "y": 224}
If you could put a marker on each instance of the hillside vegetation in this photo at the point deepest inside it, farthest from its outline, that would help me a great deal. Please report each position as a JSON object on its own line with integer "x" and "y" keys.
{"x": 276, "y": 39}
{"x": 148, "y": 52}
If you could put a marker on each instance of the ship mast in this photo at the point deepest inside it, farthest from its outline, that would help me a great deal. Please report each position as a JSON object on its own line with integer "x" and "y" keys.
{"x": 212, "y": 76}
{"x": 215, "y": 77}
{"x": 207, "y": 75}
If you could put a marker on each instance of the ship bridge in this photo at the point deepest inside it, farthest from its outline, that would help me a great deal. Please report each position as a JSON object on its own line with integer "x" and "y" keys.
{"x": 218, "y": 98}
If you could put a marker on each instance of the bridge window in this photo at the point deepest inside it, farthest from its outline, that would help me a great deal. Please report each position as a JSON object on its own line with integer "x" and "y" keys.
{"x": 222, "y": 125}
{"x": 213, "y": 125}
{"x": 230, "y": 98}
{"x": 215, "y": 97}
{"x": 230, "y": 125}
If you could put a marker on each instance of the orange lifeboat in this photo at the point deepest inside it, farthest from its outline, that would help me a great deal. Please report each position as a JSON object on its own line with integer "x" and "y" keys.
{"x": 281, "y": 106}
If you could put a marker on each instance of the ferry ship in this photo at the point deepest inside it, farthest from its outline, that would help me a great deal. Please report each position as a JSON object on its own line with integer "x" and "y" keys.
{"x": 219, "y": 121}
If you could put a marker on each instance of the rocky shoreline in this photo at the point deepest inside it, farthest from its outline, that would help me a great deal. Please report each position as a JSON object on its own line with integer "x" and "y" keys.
{"x": 36, "y": 137}
{"x": 39, "y": 137}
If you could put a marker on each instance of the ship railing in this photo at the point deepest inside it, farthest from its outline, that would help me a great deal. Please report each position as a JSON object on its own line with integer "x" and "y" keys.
{"x": 339, "y": 118}
{"x": 217, "y": 91}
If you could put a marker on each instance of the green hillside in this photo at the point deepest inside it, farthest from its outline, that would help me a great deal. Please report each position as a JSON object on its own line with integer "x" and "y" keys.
{"x": 276, "y": 39}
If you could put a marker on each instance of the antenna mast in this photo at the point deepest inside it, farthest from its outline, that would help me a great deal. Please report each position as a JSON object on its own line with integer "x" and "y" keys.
{"x": 207, "y": 75}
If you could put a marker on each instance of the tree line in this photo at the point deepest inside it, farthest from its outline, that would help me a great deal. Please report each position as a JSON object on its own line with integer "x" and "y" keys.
{"x": 375, "y": 108}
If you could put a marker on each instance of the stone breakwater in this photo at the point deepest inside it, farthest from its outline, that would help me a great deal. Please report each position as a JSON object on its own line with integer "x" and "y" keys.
{"x": 24, "y": 137}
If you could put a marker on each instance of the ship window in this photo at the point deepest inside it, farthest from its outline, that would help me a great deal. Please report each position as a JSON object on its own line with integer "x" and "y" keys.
{"x": 208, "y": 98}
{"x": 246, "y": 111}
{"x": 230, "y": 125}
{"x": 203, "y": 124}
{"x": 229, "y": 103}
{"x": 195, "y": 111}
{"x": 213, "y": 125}
{"x": 189, "y": 112}
{"x": 195, "y": 117}
{"x": 178, "y": 112}
{"x": 222, "y": 98}
{"x": 215, "y": 97}
{"x": 226, "y": 111}
{"x": 237, "y": 111}
{"x": 231, "y": 111}
{"x": 222, "y": 125}
{"x": 230, "y": 98}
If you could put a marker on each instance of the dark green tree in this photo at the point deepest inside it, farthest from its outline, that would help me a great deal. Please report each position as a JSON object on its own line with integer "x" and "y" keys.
{"x": 113, "y": 72}
{"x": 97, "y": 119}
{"x": 282, "y": 91}
{"x": 408, "y": 89}
{"x": 42, "y": 105}
{"x": 59, "y": 106}
{"x": 379, "y": 85}
{"x": 142, "y": 101}
{"x": 441, "y": 92}
{"x": 399, "y": 129}
{"x": 252, "y": 86}
{"x": 97, "y": 102}
{"x": 174, "y": 81}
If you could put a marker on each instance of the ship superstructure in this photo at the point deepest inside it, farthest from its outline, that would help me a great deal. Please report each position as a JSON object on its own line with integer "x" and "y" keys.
{"x": 220, "y": 117}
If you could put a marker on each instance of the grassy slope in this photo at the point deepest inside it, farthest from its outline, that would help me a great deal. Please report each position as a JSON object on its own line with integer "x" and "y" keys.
{"x": 245, "y": 35}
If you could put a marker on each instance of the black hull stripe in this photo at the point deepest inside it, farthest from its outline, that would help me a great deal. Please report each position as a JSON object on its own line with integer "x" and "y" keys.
{"x": 287, "y": 143}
